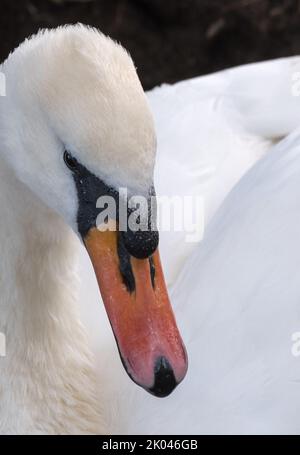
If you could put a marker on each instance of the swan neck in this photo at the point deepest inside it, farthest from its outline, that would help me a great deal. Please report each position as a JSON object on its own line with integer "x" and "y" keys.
{"x": 47, "y": 362}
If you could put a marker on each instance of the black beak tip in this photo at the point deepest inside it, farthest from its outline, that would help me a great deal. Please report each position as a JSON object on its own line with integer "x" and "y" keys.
{"x": 165, "y": 381}
{"x": 141, "y": 244}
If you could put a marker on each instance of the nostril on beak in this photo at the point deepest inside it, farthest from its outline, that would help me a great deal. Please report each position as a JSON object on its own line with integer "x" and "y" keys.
{"x": 165, "y": 381}
{"x": 140, "y": 244}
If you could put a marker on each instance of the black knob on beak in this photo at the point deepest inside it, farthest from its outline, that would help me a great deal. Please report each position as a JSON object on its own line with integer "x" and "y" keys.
{"x": 140, "y": 244}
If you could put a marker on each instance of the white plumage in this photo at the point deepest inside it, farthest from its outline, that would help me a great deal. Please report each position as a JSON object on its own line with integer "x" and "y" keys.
{"x": 236, "y": 294}
{"x": 236, "y": 298}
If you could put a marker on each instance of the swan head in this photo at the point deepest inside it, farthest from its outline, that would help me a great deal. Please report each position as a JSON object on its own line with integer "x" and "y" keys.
{"x": 78, "y": 130}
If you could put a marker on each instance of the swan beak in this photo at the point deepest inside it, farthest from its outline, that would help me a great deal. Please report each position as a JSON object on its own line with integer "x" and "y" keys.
{"x": 138, "y": 307}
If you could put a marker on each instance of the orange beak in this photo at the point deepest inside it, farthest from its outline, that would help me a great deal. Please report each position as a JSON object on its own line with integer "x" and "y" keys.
{"x": 138, "y": 307}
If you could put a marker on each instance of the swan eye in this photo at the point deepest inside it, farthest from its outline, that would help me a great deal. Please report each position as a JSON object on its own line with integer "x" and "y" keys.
{"x": 71, "y": 162}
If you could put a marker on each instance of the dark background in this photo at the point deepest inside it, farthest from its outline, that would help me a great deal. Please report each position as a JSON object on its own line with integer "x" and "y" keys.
{"x": 169, "y": 40}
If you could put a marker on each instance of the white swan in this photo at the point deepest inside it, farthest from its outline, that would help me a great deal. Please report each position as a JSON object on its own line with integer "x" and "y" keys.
{"x": 75, "y": 125}
{"x": 72, "y": 88}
